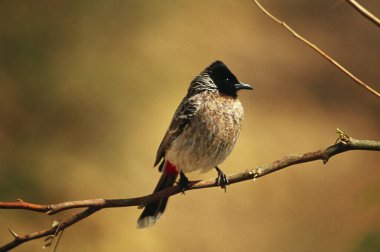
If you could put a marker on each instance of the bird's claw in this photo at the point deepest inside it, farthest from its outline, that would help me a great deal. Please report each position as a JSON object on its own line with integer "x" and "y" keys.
{"x": 183, "y": 182}
{"x": 222, "y": 179}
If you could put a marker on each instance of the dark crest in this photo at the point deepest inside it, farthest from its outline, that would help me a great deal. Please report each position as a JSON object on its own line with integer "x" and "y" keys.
{"x": 216, "y": 77}
{"x": 224, "y": 79}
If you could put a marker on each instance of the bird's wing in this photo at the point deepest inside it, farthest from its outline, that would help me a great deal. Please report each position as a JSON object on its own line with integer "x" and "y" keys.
{"x": 181, "y": 120}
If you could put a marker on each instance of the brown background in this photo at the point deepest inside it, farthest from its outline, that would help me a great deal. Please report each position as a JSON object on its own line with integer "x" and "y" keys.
{"x": 87, "y": 90}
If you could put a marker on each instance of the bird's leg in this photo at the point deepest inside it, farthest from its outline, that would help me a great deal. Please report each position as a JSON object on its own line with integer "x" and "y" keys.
{"x": 183, "y": 182}
{"x": 222, "y": 179}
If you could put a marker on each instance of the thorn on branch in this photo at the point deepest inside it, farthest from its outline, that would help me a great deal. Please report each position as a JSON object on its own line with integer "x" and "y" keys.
{"x": 14, "y": 234}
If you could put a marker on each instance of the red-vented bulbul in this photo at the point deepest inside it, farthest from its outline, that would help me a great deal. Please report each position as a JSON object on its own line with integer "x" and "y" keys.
{"x": 202, "y": 133}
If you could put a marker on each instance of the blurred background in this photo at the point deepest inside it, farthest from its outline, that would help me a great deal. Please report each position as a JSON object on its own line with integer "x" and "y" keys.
{"x": 88, "y": 88}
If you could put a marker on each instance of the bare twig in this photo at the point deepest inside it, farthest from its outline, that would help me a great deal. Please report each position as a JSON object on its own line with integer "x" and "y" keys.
{"x": 343, "y": 144}
{"x": 18, "y": 240}
{"x": 19, "y": 204}
{"x": 326, "y": 56}
{"x": 364, "y": 12}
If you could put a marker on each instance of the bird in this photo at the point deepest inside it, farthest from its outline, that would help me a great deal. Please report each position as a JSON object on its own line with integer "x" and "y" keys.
{"x": 202, "y": 133}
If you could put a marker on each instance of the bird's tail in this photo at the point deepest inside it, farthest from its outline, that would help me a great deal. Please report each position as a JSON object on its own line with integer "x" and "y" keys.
{"x": 153, "y": 211}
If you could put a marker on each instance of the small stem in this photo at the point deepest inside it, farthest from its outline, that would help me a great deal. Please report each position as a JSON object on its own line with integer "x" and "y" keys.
{"x": 322, "y": 53}
{"x": 371, "y": 17}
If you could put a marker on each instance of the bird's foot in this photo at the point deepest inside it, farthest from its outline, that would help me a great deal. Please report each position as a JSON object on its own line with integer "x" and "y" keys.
{"x": 222, "y": 179}
{"x": 183, "y": 182}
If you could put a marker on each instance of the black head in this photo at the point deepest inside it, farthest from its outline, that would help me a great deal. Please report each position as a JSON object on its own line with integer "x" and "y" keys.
{"x": 225, "y": 80}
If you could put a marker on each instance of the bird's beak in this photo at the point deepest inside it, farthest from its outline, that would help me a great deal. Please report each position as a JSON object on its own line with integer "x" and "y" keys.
{"x": 241, "y": 85}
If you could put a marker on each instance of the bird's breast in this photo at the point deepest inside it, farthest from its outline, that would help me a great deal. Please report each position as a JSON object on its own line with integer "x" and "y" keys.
{"x": 210, "y": 136}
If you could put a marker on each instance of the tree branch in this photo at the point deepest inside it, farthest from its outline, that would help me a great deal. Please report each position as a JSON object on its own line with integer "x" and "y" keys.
{"x": 18, "y": 240}
{"x": 343, "y": 144}
{"x": 322, "y": 53}
{"x": 364, "y": 12}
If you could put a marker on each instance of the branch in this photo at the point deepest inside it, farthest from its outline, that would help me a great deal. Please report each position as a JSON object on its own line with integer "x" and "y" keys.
{"x": 343, "y": 144}
{"x": 18, "y": 240}
{"x": 364, "y": 12}
{"x": 322, "y": 53}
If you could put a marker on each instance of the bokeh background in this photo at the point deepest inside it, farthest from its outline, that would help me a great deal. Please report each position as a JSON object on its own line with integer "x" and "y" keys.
{"x": 88, "y": 88}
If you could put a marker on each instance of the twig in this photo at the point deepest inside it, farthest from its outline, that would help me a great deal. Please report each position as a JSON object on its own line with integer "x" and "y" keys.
{"x": 364, "y": 12}
{"x": 18, "y": 240}
{"x": 343, "y": 144}
{"x": 326, "y": 56}
{"x": 20, "y": 204}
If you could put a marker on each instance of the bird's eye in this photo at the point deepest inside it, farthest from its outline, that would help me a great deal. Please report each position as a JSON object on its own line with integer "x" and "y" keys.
{"x": 227, "y": 79}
